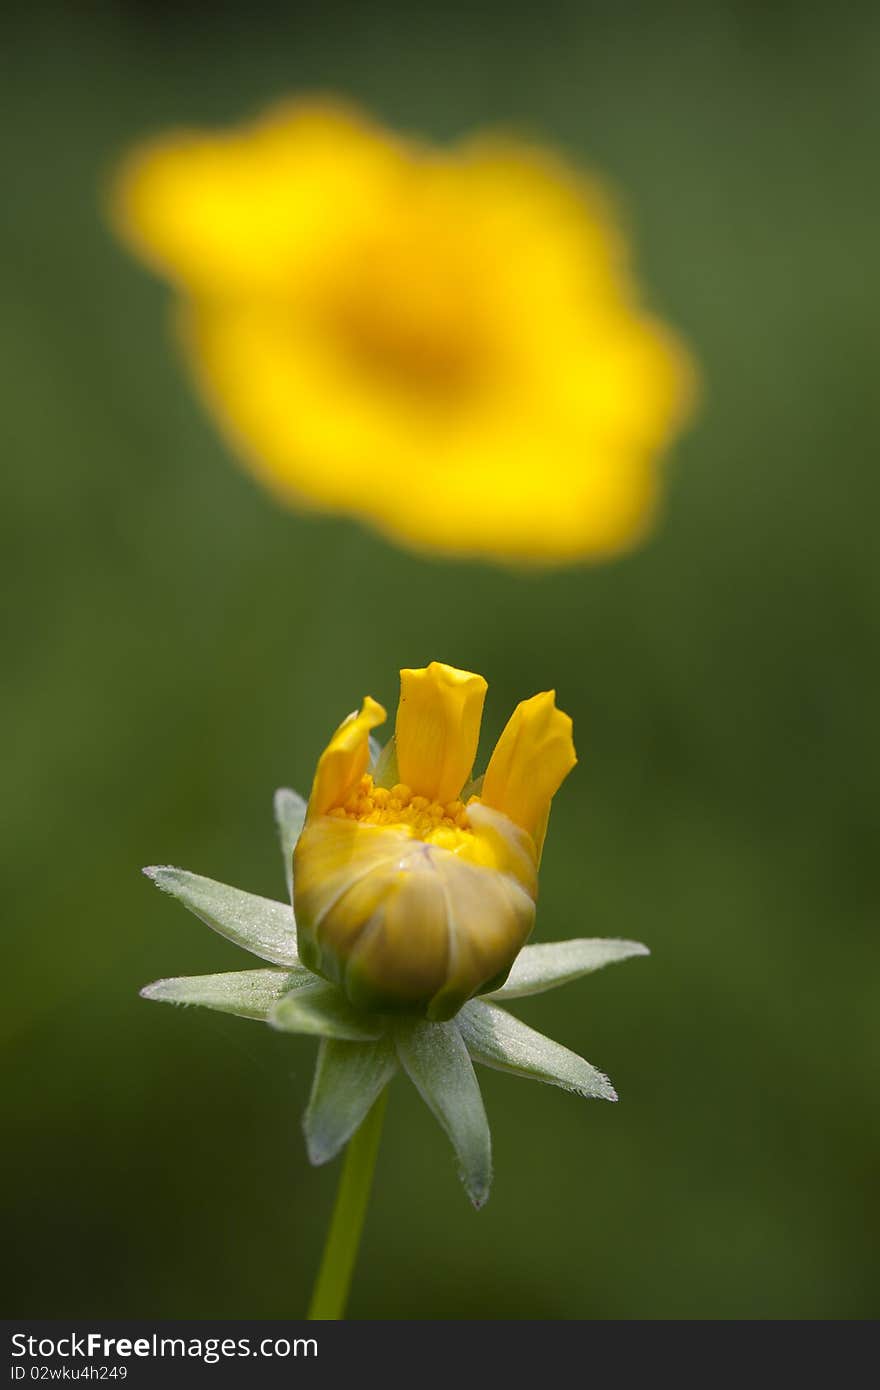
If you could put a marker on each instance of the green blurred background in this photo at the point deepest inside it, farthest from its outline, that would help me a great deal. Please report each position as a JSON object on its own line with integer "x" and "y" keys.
{"x": 177, "y": 647}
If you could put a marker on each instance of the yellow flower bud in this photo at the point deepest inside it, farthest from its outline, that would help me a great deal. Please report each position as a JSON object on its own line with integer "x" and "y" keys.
{"x": 405, "y": 897}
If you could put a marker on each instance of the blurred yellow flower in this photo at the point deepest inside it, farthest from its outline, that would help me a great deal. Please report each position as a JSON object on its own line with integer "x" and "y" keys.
{"x": 448, "y": 344}
{"x": 411, "y": 892}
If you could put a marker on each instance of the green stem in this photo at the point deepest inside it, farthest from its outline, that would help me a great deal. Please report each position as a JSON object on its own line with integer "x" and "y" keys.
{"x": 344, "y": 1236}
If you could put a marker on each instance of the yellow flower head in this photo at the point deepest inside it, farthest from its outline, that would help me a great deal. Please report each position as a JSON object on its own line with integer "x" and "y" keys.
{"x": 447, "y": 344}
{"x": 410, "y": 892}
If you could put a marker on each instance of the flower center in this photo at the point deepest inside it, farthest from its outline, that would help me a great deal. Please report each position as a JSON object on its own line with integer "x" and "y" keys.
{"x": 409, "y": 317}
{"x": 399, "y": 808}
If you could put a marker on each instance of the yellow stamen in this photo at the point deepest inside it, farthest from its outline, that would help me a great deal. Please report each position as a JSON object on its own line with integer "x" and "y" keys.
{"x": 401, "y": 809}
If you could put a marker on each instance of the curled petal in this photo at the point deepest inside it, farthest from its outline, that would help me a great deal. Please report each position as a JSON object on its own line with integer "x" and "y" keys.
{"x": 532, "y": 758}
{"x": 438, "y": 729}
{"x": 345, "y": 759}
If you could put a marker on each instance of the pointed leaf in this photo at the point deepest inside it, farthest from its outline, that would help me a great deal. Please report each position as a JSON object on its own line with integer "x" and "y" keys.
{"x": 436, "y": 1060}
{"x": 323, "y": 1011}
{"x": 543, "y": 967}
{"x": 262, "y": 926}
{"x": 247, "y": 993}
{"x": 348, "y": 1079}
{"x": 290, "y": 816}
{"x": 497, "y": 1039}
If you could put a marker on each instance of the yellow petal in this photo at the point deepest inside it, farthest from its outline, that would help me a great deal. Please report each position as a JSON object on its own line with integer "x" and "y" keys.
{"x": 255, "y": 208}
{"x": 531, "y": 760}
{"x": 497, "y": 843}
{"x": 345, "y": 759}
{"x": 438, "y": 728}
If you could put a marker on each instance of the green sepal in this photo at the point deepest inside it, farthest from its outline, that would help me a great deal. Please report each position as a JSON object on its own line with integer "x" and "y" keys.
{"x": 550, "y": 964}
{"x": 262, "y": 926}
{"x": 323, "y": 1011}
{"x": 497, "y": 1039}
{"x": 472, "y": 788}
{"x": 436, "y": 1060}
{"x": 349, "y": 1077}
{"x": 385, "y": 769}
{"x": 246, "y": 993}
{"x": 290, "y": 816}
